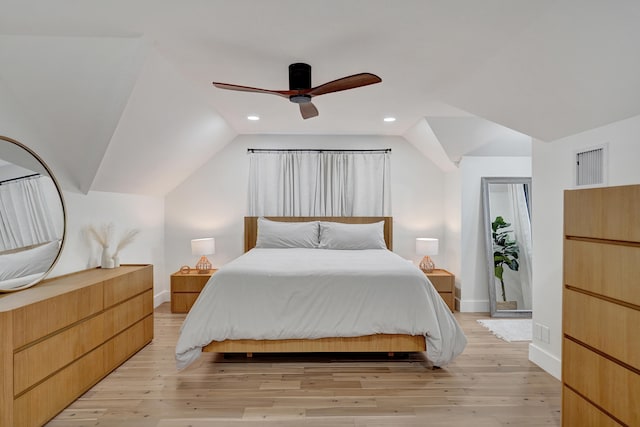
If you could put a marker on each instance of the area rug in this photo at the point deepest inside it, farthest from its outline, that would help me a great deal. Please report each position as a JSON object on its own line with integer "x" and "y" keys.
{"x": 509, "y": 329}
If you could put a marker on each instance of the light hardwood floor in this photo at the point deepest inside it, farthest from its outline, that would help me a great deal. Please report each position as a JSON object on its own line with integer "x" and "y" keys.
{"x": 491, "y": 384}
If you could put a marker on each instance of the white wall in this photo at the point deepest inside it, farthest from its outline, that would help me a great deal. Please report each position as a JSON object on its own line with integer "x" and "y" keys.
{"x": 453, "y": 228}
{"x": 126, "y": 212}
{"x": 212, "y": 201}
{"x": 553, "y": 168}
{"x": 474, "y": 293}
{"x": 15, "y": 122}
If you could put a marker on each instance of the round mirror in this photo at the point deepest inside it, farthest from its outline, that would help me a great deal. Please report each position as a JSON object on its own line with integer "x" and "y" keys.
{"x": 32, "y": 217}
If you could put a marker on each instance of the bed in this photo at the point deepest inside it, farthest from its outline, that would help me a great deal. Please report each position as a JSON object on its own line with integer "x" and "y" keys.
{"x": 20, "y": 267}
{"x": 345, "y": 291}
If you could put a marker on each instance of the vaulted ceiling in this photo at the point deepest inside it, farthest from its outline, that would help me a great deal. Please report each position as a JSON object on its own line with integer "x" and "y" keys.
{"x": 105, "y": 87}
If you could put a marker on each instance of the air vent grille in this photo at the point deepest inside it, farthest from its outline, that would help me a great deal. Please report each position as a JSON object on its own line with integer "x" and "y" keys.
{"x": 590, "y": 167}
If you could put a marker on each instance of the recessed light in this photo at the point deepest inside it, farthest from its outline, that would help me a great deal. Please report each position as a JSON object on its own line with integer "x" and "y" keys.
{"x": 253, "y": 118}
{"x": 389, "y": 119}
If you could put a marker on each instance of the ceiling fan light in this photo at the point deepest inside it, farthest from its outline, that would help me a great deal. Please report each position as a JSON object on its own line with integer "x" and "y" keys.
{"x": 300, "y": 99}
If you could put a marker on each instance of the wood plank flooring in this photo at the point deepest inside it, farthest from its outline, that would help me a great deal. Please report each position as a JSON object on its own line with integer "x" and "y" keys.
{"x": 491, "y": 384}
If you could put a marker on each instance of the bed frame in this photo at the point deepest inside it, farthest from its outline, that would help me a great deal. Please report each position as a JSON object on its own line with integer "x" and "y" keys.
{"x": 389, "y": 343}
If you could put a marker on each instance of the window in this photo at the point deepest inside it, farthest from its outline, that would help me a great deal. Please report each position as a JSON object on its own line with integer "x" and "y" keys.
{"x": 319, "y": 183}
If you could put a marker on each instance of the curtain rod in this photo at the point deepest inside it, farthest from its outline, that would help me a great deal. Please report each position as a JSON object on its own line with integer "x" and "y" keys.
{"x": 287, "y": 150}
{"x": 19, "y": 178}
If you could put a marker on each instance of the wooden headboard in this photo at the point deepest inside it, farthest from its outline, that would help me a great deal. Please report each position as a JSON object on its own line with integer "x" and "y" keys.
{"x": 251, "y": 225}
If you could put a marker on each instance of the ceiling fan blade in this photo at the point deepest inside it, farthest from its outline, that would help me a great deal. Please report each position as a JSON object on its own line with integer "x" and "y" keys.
{"x": 308, "y": 110}
{"x": 283, "y": 93}
{"x": 349, "y": 82}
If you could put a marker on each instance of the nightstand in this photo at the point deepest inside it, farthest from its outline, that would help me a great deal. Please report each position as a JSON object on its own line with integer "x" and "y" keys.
{"x": 445, "y": 283}
{"x": 185, "y": 288}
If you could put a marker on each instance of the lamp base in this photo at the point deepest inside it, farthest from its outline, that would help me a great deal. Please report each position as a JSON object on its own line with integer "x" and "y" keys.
{"x": 427, "y": 265}
{"x": 203, "y": 266}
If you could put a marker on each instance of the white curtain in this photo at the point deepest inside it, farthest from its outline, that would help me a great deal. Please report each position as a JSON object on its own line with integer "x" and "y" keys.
{"x": 522, "y": 231}
{"x": 24, "y": 215}
{"x": 319, "y": 183}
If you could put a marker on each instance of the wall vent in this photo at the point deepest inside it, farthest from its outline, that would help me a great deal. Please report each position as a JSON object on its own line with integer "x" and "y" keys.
{"x": 591, "y": 167}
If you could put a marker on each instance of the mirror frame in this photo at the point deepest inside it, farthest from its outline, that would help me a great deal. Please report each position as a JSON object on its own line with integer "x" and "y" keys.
{"x": 486, "y": 218}
{"x": 64, "y": 214}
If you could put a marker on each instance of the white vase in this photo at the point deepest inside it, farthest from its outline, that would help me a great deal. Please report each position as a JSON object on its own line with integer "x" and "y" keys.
{"x": 116, "y": 261}
{"x": 107, "y": 258}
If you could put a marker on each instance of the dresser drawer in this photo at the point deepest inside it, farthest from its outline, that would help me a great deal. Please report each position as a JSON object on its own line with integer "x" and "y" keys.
{"x": 608, "y": 327}
{"x": 42, "y": 318}
{"x": 614, "y": 387}
{"x": 182, "y": 302}
{"x": 129, "y": 312}
{"x": 610, "y": 210}
{"x": 190, "y": 283}
{"x": 39, "y": 404}
{"x": 448, "y": 298}
{"x": 442, "y": 280}
{"x": 38, "y": 361}
{"x": 124, "y": 345}
{"x": 442, "y": 283}
{"x": 606, "y": 269}
{"x": 578, "y": 412}
{"x": 125, "y": 286}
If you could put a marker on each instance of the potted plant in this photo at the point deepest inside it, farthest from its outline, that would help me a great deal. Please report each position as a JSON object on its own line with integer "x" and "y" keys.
{"x": 505, "y": 252}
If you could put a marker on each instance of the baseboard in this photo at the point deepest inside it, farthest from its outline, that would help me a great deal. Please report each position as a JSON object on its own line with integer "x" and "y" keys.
{"x": 472, "y": 306}
{"x": 545, "y": 360}
{"x": 161, "y": 297}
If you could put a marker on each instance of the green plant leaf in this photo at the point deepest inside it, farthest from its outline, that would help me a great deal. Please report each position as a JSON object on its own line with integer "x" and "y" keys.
{"x": 505, "y": 248}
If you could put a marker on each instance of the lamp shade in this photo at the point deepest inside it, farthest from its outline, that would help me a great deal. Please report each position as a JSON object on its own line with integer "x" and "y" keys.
{"x": 206, "y": 246}
{"x": 426, "y": 246}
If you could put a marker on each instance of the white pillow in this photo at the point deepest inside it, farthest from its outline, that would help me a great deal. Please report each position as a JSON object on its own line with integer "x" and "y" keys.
{"x": 30, "y": 261}
{"x": 335, "y": 235}
{"x": 18, "y": 282}
{"x": 278, "y": 234}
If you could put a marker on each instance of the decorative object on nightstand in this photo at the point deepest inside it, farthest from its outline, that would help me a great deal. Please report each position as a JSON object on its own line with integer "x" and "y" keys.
{"x": 427, "y": 246}
{"x": 203, "y": 247}
{"x": 445, "y": 283}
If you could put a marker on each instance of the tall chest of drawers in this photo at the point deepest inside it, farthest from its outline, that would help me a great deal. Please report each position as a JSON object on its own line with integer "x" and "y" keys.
{"x": 601, "y": 307}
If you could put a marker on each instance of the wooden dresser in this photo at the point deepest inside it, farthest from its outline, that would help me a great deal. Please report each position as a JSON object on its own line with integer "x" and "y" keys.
{"x": 64, "y": 335}
{"x": 601, "y": 307}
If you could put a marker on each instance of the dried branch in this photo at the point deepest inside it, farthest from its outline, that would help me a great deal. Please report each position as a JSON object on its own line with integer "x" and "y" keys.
{"x": 101, "y": 235}
{"x": 128, "y": 237}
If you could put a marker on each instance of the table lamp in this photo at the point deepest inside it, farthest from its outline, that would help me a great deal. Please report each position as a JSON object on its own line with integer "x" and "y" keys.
{"x": 427, "y": 246}
{"x": 203, "y": 247}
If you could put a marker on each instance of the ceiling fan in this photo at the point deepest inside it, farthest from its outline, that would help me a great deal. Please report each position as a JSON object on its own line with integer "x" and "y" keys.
{"x": 300, "y": 91}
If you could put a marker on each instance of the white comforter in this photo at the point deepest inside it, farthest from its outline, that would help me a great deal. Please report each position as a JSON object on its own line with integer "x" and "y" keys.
{"x": 317, "y": 293}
